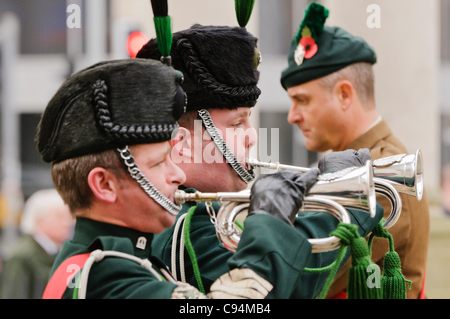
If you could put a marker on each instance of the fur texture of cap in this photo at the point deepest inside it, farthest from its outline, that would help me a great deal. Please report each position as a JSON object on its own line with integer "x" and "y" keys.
{"x": 110, "y": 105}
{"x": 218, "y": 63}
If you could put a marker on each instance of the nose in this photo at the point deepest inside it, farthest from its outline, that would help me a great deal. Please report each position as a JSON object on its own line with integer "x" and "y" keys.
{"x": 177, "y": 175}
{"x": 251, "y": 139}
{"x": 294, "y": 115}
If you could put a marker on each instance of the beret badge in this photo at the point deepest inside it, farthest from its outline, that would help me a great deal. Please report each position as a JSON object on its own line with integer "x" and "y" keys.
{"x": 310, "y": 29}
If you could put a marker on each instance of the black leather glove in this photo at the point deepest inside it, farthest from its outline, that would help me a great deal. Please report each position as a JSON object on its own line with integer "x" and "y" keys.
{"x": 281, "y": 194}
{"x": 337, "y": 161}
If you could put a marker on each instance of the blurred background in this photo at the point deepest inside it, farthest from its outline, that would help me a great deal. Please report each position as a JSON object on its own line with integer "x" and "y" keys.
{"x": 42, "y": 42}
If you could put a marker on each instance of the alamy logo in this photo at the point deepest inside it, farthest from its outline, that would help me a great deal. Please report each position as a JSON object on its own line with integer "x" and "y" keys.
{"x": 374, "y": 20}
{"x": 73, "y": 278}
{"x": 373, "y": 281}
{"x": 236, "y": 138}
{"x": 74, "y": 18}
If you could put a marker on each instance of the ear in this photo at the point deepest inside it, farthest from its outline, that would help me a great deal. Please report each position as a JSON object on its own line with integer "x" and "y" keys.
{"x": 345, "y": 93}
{"x": 182, "y": 144}
{"x": 103, "y": 184}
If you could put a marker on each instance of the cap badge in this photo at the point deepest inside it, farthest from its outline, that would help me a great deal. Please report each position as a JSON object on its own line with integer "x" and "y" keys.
{"x": 306, "y": 48}
{"x": 310, "y": 30}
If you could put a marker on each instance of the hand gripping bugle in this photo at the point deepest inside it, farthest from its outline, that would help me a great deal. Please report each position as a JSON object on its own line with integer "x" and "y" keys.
{"x": 350, "y": 188}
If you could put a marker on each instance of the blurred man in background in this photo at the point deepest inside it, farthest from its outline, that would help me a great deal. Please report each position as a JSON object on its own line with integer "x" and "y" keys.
{"x": 46, "y": 223}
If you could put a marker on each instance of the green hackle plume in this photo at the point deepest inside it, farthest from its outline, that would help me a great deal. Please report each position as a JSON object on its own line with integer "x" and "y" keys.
{"x": 164, "y": 37}
{"x": 392, "y": 281}
{"x": 244, "y": 9}
{"x": 163, "y": 26}
{"x": 314, "y": 20}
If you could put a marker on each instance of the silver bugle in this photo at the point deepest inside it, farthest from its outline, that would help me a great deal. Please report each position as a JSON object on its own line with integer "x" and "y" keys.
{"x": 404, "y": 171}
{"x": 351, "y": 188}
{"x": 237, "y": 203}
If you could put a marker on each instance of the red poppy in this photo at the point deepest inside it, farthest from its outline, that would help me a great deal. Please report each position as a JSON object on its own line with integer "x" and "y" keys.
{"x": 310, "y": 47}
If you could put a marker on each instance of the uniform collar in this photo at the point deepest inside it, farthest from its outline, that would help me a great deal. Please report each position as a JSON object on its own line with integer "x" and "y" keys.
{"x": 369, "y": 139}
{"x": 378, "y": 120}
{"x": 88, "y": 230}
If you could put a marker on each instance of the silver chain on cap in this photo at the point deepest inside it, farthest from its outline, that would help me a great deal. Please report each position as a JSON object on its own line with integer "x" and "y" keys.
{"x": 223, "y": 147}
{"x": 151, "y": 191}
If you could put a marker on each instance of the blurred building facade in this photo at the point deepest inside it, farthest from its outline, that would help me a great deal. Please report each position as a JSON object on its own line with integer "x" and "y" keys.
{"x": 412, "y": 73}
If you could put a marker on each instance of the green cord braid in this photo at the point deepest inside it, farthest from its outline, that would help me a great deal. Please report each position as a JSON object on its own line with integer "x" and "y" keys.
{"x": 239, "y": 224}
{"x": 190, "y": 248}
{"x": 77, "y": 284}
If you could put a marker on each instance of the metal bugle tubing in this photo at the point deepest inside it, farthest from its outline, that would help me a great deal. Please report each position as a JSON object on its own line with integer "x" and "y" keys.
{"x": 404, "y": 171}
{"x": 238, "y": 203}
{"x": 274, "y": 166}
{"x": 324, "y": 205}
{"x": 182, "y": 197}
{"x": 349, "y": 196}
{"x": 390, "y": 192}
{"x": 351, "y": 188}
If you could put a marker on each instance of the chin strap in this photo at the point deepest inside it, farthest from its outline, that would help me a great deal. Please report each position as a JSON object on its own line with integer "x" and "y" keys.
{"x": 136, "y": 173}
{"x": 246, "y": 176}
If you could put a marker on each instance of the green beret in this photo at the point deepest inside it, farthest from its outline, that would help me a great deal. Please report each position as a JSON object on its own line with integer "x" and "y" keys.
{"x": 318, "y": 50}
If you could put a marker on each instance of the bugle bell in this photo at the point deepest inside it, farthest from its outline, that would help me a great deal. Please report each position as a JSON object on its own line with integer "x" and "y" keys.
{"x": 404, "y": 172}
{"x": 353, "y": 188}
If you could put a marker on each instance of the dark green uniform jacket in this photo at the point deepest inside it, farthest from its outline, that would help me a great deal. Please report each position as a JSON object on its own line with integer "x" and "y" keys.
{"x": 212, "y": 257}
{"x": 118, "y": 278}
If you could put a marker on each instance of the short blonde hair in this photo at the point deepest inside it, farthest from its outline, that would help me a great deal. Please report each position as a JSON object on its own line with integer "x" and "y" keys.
{"x": 360, "y": 75}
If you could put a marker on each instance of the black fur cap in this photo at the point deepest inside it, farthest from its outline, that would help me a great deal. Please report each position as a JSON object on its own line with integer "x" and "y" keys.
{"x": 110, "y": 105}
{"x": 219, "y": 64}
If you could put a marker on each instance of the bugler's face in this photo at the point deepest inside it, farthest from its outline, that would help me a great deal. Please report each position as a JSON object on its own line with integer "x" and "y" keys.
{"x": 155, "y": 162}
{"x": 214, "y": 174}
